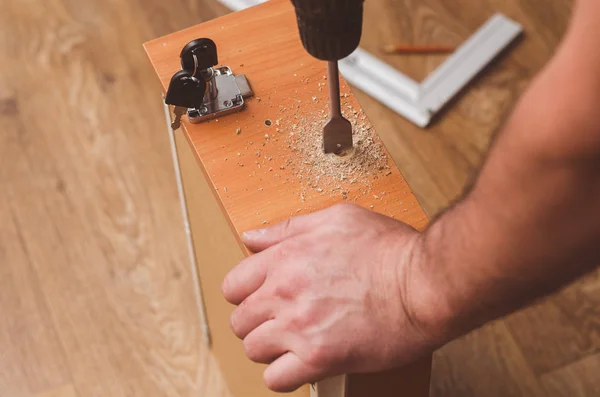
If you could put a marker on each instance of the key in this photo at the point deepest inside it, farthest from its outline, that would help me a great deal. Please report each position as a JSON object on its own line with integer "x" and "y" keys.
{"x": 179, "y": 112}
{"x": 184, "y": 92}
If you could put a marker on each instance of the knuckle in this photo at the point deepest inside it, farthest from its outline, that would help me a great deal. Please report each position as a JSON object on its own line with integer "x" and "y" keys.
{"x": 345, "y": 208}
{"x": 345, "y": 214}
{"x": 226, "y": 287}
{"x": 230, "y": 286}
{"x": 235, "y": 320}
{"x": 325, "y": 353}
{"x": 251, "y": 350}
{"x": 301, "y": 319}
{"x": 319, "y": 356}
{"x": 290, "y": 285}
{"x": 286, "y": 291}
{"x": 278, "y": 383}
{"x": 233, "y": 323}
{"x": 271, "y": 383}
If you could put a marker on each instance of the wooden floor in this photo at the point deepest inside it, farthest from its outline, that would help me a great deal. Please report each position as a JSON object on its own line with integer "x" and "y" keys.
{"x": 96, "y": 294}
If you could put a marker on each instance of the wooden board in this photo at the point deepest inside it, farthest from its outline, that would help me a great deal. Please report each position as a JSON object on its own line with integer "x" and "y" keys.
{"x": 217, "y": 252}
{"x": 262, "y": 43}
{"x": 258, "y": 173}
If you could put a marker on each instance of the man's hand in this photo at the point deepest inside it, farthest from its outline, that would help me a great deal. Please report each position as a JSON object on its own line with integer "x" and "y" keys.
{"x": 327, "y": 294}
{"x": 345, "y": 290}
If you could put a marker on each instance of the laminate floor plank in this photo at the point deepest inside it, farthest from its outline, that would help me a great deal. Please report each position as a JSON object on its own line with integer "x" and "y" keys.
{"x": 97, "y": 293}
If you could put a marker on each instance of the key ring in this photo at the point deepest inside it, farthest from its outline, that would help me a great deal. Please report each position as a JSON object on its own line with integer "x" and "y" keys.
{"x": 195, "y": 64}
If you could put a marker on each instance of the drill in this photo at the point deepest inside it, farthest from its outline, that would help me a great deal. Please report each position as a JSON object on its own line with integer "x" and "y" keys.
{"x": 331, "y": 30}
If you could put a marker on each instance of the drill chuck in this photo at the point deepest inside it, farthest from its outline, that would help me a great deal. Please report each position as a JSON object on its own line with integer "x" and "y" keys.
{"x": 329, "y": 29}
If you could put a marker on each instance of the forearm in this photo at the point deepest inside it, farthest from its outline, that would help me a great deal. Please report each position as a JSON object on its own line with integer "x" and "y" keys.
{"x": 483, "y": 262}
{"x": 531, "y": 223}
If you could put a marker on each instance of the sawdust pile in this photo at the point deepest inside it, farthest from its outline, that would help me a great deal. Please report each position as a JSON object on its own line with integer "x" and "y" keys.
{"x": 331, "y": 173}
{"x": 350, "y": 176}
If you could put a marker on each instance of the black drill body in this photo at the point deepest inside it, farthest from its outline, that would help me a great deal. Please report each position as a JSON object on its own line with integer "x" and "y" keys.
{"x": 329, "y": 29}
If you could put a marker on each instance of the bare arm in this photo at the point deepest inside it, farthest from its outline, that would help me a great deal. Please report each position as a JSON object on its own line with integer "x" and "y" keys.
{"x": 531, "y": 223}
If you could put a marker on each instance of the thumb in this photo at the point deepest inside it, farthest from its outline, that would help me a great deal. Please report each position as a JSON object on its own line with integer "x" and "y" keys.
{"x": 261, "y": 239}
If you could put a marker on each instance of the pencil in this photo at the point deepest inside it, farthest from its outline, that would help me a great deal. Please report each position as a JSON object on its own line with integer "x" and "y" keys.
{"x": 417, "y": 49}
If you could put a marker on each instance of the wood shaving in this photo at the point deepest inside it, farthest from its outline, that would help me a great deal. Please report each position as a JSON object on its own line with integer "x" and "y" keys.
{"x": 330, "y": 173}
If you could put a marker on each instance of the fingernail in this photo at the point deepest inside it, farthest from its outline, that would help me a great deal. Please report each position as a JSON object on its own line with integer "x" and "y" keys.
{"x": 254, "y": 234}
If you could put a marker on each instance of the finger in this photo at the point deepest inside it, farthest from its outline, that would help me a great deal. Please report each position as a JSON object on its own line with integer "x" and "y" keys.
{"x": 251, "y": 313}
{"x": 259, "y": 240}
{"x": 288, "y": 373}
{"x": 245, "y": 278}
{"x": 266, "y": 343}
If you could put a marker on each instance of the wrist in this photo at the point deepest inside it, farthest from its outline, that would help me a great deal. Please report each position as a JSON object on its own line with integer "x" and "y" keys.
{"x": 428, "y": 297}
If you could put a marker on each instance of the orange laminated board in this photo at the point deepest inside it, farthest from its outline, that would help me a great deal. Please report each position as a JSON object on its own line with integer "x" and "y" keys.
{"x": 263, "y": 165}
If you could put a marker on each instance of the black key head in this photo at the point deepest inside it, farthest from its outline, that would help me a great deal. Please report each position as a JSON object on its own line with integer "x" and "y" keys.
{"x": 205, "y": 53}
{"x": 186, "y": 91}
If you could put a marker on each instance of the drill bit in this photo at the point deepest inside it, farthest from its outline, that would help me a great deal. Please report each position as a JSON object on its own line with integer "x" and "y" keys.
{"x": 337, "y": 133}
{"x": 330, "y": 30}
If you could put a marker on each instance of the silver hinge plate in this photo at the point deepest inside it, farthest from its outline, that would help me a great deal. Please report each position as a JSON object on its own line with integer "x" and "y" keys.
{"x": 231, "y": 92}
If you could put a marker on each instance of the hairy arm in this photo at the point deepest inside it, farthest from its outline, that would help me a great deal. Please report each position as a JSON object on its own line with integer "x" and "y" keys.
{"x": 346, "y": 290}
{"x": 531, "y": 223}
